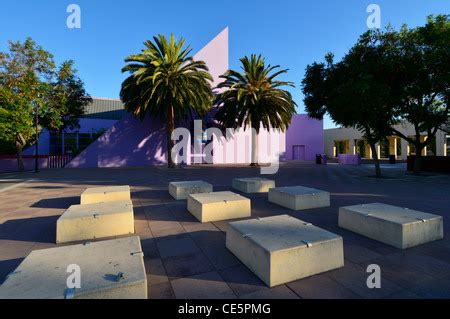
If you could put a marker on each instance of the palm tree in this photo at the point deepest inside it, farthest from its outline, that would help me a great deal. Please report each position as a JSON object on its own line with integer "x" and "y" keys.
{"x": 254, "y": 98}
{"x": 166, "y": 82}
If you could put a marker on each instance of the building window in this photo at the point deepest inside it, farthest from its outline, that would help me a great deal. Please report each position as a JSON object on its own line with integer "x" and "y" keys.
{"x": 361, "y": 148}
{"x": 448, "y": 145}
{"x": 70, "y": 143}
{"x": 55, "y": 143}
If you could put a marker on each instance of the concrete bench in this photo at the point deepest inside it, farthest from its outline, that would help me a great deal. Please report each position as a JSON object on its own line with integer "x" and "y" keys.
{"x": 105, "y": 194}
{"x": 253, "y": 185}
{"x": 93, "y": 221}
{"x": 209, "y": 207}
{"x": 299, "y": 197}
{"x": 396, "y": 226}
{"x": 112, "y": 269}
{"x": 181, "y": 190}
{"x": 282, "y": 249}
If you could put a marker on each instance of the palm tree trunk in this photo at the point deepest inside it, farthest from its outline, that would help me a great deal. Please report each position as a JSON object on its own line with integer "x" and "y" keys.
{"x": 170, "y": 143}
{"x": 255, "y": 148}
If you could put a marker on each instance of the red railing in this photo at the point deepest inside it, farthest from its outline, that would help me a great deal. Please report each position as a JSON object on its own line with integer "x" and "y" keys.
{"x": 45, "y": 161}
{"x": 59, "y": 161}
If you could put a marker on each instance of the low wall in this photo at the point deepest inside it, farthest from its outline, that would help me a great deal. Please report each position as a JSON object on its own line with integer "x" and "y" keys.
{"x": 436, "y": 164}
{"x": 349, "y": 159}
{"x": 8, "y": 163}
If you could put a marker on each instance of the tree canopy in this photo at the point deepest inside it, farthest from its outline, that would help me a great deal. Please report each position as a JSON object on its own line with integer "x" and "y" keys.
{"x": 30, "y": 82}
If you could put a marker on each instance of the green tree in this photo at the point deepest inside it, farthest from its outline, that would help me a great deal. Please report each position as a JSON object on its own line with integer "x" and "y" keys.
{"x": 355, "y": 91}
{"x": 166, "y": 82}
{"x": 255, "y": 97}
{"x": 22, "y": 73}
{"x": 34, "y": 95}
{"x": 423, "y": 56}
{"x": 66, "y": 100}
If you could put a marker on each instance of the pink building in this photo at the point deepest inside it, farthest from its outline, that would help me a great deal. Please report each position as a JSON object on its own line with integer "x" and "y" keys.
{"x": 130, "y": 142}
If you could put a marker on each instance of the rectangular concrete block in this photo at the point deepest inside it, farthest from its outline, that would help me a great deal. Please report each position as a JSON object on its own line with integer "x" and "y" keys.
{"x": 299, "y": 197}
{"x": 181, "y": 190}
{"x": 94, "y": 221}
{"x": 282, "y": 249}
{"x": 112, "y": 269}
{"x": 396, "y": 226}
{"x": 209, "y": 207}
{"x": 105, "y": 194}
{"x": 253, "y": 185}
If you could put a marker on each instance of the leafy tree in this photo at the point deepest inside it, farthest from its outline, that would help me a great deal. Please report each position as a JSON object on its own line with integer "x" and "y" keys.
{"x": 355, "y": 91}
{"x": 423, "y": 56}
{"x": 255, "y": 97}
{"x": 66, "y": 100}
{"x": 22, "y": 73}
{"x": 166, "y": 82}
{"x": 30, "y": 86}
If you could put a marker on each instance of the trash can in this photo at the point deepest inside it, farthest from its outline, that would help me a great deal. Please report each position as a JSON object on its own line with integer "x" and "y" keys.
{"x": 324, "y": 159}
{"x": 319, "y": 159}
{"x": 392, "y": 159}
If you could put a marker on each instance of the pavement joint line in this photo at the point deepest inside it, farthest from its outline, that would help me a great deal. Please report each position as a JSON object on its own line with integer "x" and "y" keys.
{"x": 16, "y": 185}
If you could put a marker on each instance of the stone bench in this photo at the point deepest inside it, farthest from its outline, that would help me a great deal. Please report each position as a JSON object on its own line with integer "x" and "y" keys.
{"x": 209, "y": 207}
{"x": 396, "y": 226}
{"x": 299, "y": 197}
{"x": 253, "y": 185}
{"x": 105, "y": 194}
{"x": 94, "y": 221}
{"x": 44, "y": 273}
{"x": 181, "y": 190}
{"x": 282, "y": 249}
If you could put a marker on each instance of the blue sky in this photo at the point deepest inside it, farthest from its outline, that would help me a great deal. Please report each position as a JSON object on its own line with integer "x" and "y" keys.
{"x": 292, "y": 33}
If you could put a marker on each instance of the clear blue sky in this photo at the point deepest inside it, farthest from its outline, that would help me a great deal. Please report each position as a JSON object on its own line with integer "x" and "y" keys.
{"x": 292, "y": 33}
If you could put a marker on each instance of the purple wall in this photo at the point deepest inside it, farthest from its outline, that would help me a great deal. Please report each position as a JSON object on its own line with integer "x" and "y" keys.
{"x": 86, "y": 126}
{"x": 9, "y": 164}
{"x": 129, "y": 142}
{"x": 305, "y": 134}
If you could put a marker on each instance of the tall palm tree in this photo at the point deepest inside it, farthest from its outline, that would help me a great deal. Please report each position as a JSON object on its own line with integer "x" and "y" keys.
{"x": 166, "y": 82}
{"x": 253, "y": 98}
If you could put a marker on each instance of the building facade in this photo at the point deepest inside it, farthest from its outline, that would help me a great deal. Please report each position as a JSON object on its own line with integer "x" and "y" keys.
{"x": 110, "y": 137}
{"x": 351, "y": 141}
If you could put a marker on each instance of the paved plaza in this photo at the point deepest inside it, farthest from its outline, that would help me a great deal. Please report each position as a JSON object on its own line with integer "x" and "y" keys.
{"x": 187, "y": 259}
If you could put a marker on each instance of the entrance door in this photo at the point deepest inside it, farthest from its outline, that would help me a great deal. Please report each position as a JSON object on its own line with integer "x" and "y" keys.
{"x": 298, "y": 152}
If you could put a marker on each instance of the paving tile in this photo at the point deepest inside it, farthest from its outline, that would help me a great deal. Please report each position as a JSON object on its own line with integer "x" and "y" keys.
{"x": 188, "y": 265}
{"x": 359, "y": 254}
{"x": 202, "y": 286}
{"x": 212, "y": 243}
{"x": 195, "y": 227}
{"x": 160, "y": 291}
{"x": 178, "y": 245}
{"x": 280, "y": 292}
{"x": 159, "y": 233}
{"x": 403, "y": 294}
{"x": 320, "y": 287}
{"x": 426, "y": 264}
{"x": 241, "y": 280}
{"x": 434, "y": 288}
{"x": 149, "y": 248}
{"x": 354, "y": 278}
{"x": 154, "y": 268}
